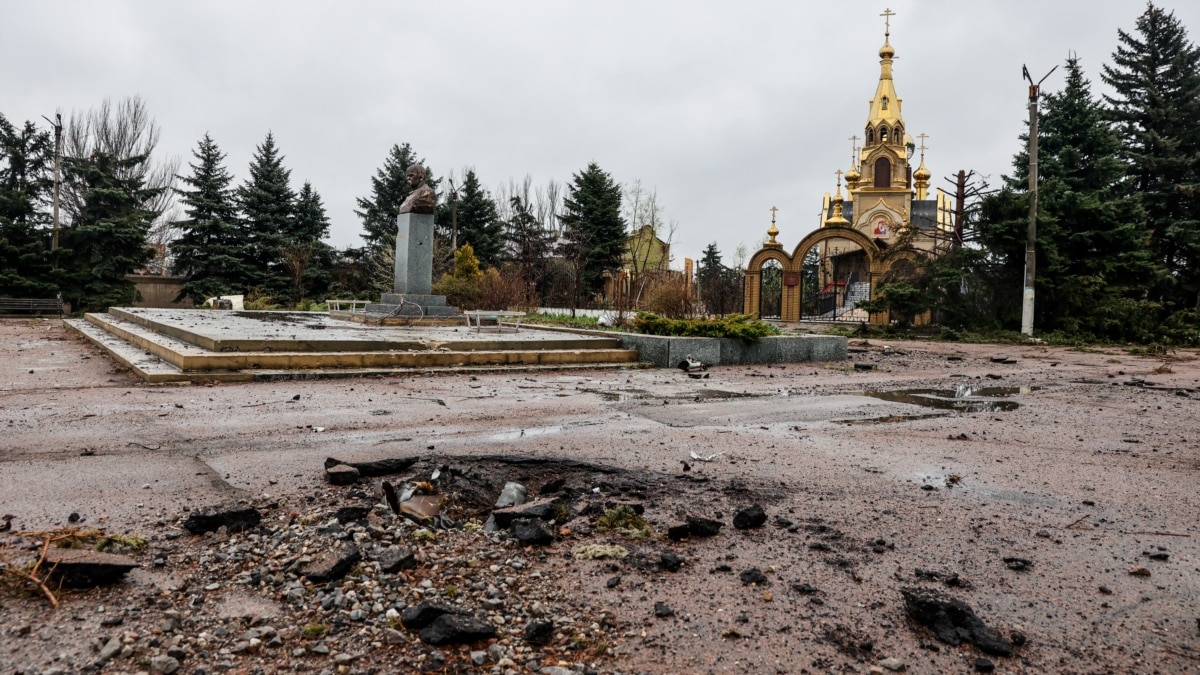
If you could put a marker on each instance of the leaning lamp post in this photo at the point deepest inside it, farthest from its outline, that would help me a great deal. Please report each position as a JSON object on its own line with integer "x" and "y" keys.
{"x": 1030, "y": 241}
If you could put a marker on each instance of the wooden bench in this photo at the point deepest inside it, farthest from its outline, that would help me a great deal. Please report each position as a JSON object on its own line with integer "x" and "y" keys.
{"x": 352, "y": 305}
{"x": 36, "y": 306}
{"x": 494, "y": 315}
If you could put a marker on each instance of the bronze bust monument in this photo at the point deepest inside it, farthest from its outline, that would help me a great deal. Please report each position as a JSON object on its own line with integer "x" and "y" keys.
{"x": 422, "y": 199}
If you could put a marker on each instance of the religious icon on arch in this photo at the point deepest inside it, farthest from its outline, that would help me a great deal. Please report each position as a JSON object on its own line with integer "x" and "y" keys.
{"x": 882, "y": 226}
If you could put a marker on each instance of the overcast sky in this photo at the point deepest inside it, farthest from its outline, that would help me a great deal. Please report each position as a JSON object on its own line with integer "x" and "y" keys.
{"x": 725, "y": 108}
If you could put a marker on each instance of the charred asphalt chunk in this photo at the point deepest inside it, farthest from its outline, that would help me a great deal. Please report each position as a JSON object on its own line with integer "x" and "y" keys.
{"x": 352, "y": 514}
{"x": 341, "y": 474}
{"x": 395, "y": 558}
{"x": 539, "y": 632}
{"x": 695, "y": 527}
{"x": 750, "y": 518}
{"x": 424, "y": 613}
{"x": 233, "y": 517}
{"x": 382, "y": 467}
{"x": 670, "y": 562}
{"x": 528, "y": 532}
{"x": 333, "y": 564}
{"x": 754, "y": 576}
{"x": 449, "y": 629}
{"x": 543, "y": 509}
{"x": 953, "y": 621}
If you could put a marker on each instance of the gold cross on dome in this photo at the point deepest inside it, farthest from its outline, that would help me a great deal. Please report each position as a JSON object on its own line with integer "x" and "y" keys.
{"x": 887, "y": 21}
{"x": 773, "y": 210}
{"x": 839, "y": 175}
{"x": 923, "y": 147}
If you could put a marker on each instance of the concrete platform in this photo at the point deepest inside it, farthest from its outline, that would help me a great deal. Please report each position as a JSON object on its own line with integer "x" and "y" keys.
{"x": 190, "y": 345}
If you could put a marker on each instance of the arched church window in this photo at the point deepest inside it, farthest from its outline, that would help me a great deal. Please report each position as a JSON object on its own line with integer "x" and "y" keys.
{"x": 883, "y": 173}
{"x": 898, "y": 134}
{"x": 883, "y": 103}
{"x": 883, "y": 134}
{"x": 870, "y": 135}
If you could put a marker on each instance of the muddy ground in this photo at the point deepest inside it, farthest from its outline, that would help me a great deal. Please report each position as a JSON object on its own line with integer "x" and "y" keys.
{"x": 1083, "y": 464}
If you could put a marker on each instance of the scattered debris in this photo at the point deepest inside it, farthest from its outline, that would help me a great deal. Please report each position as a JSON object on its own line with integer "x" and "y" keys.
{"x": 705, "y": 458}
{"x": 1139, "y": 572}
{"x": 1018, "y": 564}
{"x": 450, "y": 629}
{"x": 662, "y": 610}
{"x": 754, "y": 576}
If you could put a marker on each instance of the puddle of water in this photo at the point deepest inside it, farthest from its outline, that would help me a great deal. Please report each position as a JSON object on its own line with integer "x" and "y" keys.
{"x": 890, "y": 418}
{"x": 623, "y": 395}
{"x": 967, "y": 398}
{"x": 524, "y": 433}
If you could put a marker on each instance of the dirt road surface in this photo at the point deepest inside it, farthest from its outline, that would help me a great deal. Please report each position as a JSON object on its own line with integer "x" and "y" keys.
{"x": 1054, "y": 491}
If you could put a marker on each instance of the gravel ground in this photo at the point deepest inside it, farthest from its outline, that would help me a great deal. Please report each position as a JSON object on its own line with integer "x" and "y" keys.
{"x": 1057, "y": 499}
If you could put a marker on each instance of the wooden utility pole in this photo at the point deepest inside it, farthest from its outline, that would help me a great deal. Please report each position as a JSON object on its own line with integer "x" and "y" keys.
{"x": 57, "y": 124}
{"x": 1027, "y": 296}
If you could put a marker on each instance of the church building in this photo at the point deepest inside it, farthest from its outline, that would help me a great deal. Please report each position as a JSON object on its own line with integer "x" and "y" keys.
{"x": 887, "y": 223}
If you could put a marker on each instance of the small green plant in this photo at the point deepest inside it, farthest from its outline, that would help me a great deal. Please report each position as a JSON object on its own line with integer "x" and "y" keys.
{"x": 451, "y": 591}
{"x": 622, "y": 519}
{"x": 562, "y": 513}
{"x": 315, "y": 630}
{"x": 424, "y": 535}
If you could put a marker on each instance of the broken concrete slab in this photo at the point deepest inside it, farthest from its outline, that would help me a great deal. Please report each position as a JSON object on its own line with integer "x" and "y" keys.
{"x": 542, "y": 509}
{"x": 531, "y": 532}
{"x": 80, "y": 568}
{"x": 379, "y": 467}
{"x": 395, "y": 558}
{"x": 342, "y": 474}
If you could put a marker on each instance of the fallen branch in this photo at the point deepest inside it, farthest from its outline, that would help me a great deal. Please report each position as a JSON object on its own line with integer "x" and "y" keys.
{"x": 1078, "y": 521}
{"x": 1160, "y": 534}
{"x": 143, "y": 446}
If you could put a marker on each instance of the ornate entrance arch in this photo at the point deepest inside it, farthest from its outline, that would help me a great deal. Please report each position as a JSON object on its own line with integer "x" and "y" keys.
{"x": 792, "y": 264}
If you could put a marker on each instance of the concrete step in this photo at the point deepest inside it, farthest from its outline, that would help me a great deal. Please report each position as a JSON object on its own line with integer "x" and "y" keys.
{"x": 162, "y": 358}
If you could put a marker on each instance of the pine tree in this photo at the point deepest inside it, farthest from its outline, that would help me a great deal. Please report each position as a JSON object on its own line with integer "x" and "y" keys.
{"x": 267, "y": 221}
{"x": 208, "y": 251}
{"x": 528, "y": 248}
{"x": 308, "y": 259}
{"x": 1093, "y": 263}
{"x": 26, "y": 158}
{"x": 593, "y": 230}
{"x": 1156, "y": 106}
{"x": 389, "y": 189}
{"x": 478, "y": 224}
{"x": 107, "y": 241}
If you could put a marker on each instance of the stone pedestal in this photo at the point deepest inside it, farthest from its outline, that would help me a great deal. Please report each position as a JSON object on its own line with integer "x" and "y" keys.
{"x": 413, "y": 273}
{"x": 414, "y": 254}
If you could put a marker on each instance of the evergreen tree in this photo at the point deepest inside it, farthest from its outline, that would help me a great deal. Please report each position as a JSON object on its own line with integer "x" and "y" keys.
{"x": 26, "y": 181}
{"x": 267, "y": 223}
{"x": 1093, "y": 263}
{"x": 478, "y": 223}
{"x": 528, "y": 248}
{"x": 1156, "y": 79}
{"x": 107, "y": 241}
{"x": 208, "y": 251}
{"x": 593, "y": 230}
{"x": 389, "y": 189}
{"x": 308, "y": 259}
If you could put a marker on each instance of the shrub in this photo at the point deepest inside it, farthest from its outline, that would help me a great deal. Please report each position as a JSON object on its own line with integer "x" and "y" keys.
{"x": 731, "y": 326}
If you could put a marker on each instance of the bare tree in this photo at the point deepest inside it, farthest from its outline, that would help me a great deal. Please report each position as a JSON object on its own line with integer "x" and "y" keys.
{"x": 547, "y": 200}
{"x": 123, "y": 130}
